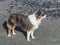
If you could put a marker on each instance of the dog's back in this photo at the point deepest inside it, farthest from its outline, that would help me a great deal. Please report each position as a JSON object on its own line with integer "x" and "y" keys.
{"x": 20, "y": 20}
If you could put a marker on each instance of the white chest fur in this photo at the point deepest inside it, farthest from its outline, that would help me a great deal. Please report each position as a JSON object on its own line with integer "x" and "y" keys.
{"x": 34, "y": 21}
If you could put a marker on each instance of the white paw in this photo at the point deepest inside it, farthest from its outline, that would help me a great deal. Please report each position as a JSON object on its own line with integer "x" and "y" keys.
{"x": 33, "y": 37}
{"x": 28, "y": 40}
{"x": 9, "y": 35}
{"x": 14, "y": 33}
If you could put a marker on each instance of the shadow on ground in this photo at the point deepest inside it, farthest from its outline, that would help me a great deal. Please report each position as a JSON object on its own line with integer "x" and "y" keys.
{"x": 19, "y": 29}
{"x": 5, "y": 26}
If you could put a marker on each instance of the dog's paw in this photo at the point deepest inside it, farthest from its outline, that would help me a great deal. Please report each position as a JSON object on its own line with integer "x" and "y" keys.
{"x": 14, "y": 33}
{"x": 28, "y": 40}
{"x": 9, "y": 35}
{"x": 33, "y": 37}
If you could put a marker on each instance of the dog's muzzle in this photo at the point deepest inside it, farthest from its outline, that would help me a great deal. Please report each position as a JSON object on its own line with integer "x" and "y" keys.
{"x": 45, "y": 16}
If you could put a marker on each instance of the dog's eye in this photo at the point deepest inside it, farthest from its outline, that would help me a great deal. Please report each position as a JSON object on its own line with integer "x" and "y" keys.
{"x": 42, "y": 15}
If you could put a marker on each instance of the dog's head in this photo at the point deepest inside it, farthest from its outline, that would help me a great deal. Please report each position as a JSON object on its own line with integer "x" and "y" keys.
{"x": 40, "y": 15}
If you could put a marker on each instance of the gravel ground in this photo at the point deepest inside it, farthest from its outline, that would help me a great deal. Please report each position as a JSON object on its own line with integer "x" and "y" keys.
{"x": 48, "y": 33}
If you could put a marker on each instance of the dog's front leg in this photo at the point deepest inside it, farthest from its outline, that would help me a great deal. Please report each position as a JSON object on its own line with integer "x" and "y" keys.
{"x": 32, "y": 34}
{"x": 9, "y": 31}
{"x": 28, "y": 35}
{"x": 13, "y": 29}
{"x": 14, "y": 32}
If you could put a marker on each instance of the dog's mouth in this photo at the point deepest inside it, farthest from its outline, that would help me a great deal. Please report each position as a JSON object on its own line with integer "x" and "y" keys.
{"x": 42, "y": 17}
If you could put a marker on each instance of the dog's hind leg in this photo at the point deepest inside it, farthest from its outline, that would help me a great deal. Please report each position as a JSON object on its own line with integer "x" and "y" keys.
{"x": 13, "y": 29}
{"x": 9, "y": 30}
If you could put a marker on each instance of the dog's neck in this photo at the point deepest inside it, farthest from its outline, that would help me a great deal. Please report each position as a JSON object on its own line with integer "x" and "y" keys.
{"x": 34, "y": 20}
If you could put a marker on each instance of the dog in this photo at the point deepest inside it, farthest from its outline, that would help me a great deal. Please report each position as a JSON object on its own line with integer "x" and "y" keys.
{"x": 27, "y": 23}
